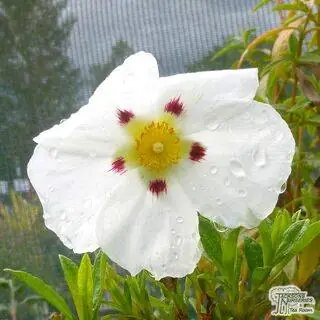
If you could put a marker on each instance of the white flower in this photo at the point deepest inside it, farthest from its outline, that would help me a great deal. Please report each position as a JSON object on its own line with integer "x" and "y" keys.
{"x": 129, "y": 171}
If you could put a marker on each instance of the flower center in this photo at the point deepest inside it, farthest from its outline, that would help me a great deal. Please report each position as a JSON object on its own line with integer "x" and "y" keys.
{"x": 158, "y": 146}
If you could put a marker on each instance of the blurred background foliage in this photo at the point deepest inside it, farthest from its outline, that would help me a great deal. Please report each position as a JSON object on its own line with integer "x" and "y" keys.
{"x": 39, "y": 86}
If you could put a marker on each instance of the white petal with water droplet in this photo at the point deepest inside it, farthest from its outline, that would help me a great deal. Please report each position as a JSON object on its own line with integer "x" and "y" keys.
{"x": 249, "y": 164}
{"x": 140, "y": 228}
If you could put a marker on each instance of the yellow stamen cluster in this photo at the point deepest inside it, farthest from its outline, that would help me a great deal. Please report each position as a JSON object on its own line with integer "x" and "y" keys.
{"x": 158, "y": 146}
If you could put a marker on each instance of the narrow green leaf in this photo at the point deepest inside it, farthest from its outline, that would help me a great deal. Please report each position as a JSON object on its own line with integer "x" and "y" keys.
{"x": 290, "y": 239}
{"x": 261, "y": 4}
{"x": 127, "y": 293}
{"x": 312, "y": 231}
{"x": 226, "y": 49}
{"x": 291, "y": 6}
{"x": 253, "y": 253}
{"x": 259, "y": 275}
{"x": 266, "y": 242}
{"x": 229, "y": 253}
{"x": 85, "y": 285}
{"x": 211, "y": 240}
{"x": 310, "y": 57}
{"x": 44, "y": 290}
{"x": 280, "y": 224}
{"x": 99, "y": 275}
{"x": 70, "y": 271}
{"x": 293, "y": 44}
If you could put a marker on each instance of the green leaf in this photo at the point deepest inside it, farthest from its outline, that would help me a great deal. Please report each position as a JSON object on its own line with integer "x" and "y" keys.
{"x": 280, "y": 224}
{"x": 312, "y": 231}
{"x": 253, "y": 253}
{"x": 99, "y": 275}
{"x": 293, "y": 44}
{"x": 315, "y": 120}
{"x": 226, "y": 49}
{"x": 291, "y": 6}
{"x": 85, "y": 285}
{"x": 310, "y": 57}
{"x": 70, "y": 271}
{"x": 127, "y": 293}
{"x": 261, "y": 4}
{"x": 266, "y": 242}
{"x": 229, "y": 253}
{"x": 211, "y": 240}
{"x": 290, "y": 239}
{"x": 44, "y": 290}
{"x": 259, "y": 275}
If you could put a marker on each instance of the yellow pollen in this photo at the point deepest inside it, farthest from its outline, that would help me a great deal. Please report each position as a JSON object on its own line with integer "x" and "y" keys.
{"x": 157, "y": 147}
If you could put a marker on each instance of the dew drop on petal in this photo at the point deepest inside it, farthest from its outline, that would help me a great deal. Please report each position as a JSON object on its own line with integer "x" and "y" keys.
{"x": 259, "y": 157}
{"x": 213, "y": 170}
{"x": 213, "y": 126}
{"x": 227, "y": 182}
{"x": 279, "y": 136}
{"x": 283, "y": 188}
{"x": 194, "y": 188}
{"x": 63, "y": 120}
{"x": 173, "y": 231}
{"x": 53, "y": 152}
{"x": 176, "y": 256}
{"x": 237, "y": 168}
{"x": 178, "y": 241}
{"x": 194, "y": 235}
{"x": 179, "y": 219}
{"x": 93, "y": 154}
{"x": 218, "y": 201}
{"x": 242, "y": 192}
{"x": 219, "y": 227}
{"x": 51, "y": 188}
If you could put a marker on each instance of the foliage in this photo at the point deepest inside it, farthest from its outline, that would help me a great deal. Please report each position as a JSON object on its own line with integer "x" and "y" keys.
{"x": 38, "y": 83}
{"x": 239, "y": 266}
{"x": 26, "y": 244}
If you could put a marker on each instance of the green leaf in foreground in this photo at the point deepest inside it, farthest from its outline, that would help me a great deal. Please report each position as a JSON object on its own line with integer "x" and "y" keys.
{"x": 70, "y": 271}
{"x": 85, "y": 285}
{"x": 211, "y": 240}
{"x": 253, "y": 252}
{"x": 44, "y": 290}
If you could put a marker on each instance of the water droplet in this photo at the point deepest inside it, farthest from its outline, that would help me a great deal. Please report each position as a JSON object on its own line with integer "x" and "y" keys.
{"x": 173, "y": 231}
{"x": 157, "y": 254}
{"x": 176, "y": 256}
{"x": 227, "y": 182}
{"x": 163, "y": 266}
{"x": 194, "y": 188}
{"x": 283, "y": 188}
{"x": 194, "y": 235}
{"x": 51, "y": 188}
{"x": 259, "y": 157}
{"x": 242, "y": 192}
{"x": 279, "y": 136}
{"x": 246, "y": 116}
{"x": 218, "y": 201}
{"x": 237, "y": 168}
{"x": 93, "y": 154}
{"x": 53, "y": 152}
{"x": 218, "y": 226}
{"x": 178, "y": 241}
{"x": 63, "y": 120}
{"x": 213, "y": 126}
{"x": 213, "y": 170}
{"x": 179, "y": 219}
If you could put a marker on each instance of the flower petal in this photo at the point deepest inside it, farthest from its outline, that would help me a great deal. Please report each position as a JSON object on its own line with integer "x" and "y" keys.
{"x": 95, "y": 127}
{"x": 209, "y": 87}
{"x": 248, "y": 159}
{"x": 72, "y": 189}
{"x": 131, "y": 85}
{"x": 141, "y": 231}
